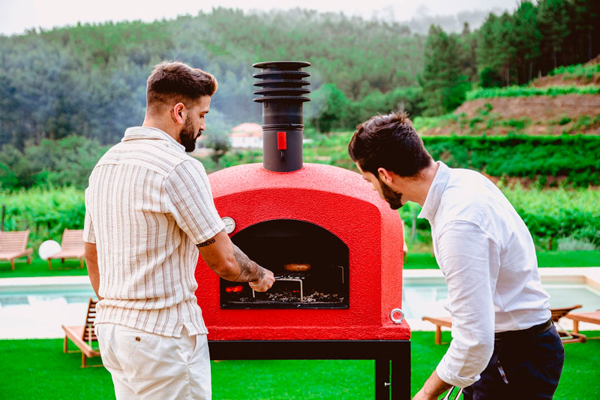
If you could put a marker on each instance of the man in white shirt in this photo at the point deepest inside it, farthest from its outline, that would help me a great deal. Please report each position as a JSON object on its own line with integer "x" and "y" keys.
{"x": 149, "y": 215}
{"x": 504, "y": 344}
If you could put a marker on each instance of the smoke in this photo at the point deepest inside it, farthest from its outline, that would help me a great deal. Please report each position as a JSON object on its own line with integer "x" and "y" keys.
{"x": 318, "y": 102}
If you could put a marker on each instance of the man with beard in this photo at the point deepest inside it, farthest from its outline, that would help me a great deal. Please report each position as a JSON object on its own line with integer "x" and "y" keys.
{"x": 504, "y": 344}
{"x": 149, "y": 214}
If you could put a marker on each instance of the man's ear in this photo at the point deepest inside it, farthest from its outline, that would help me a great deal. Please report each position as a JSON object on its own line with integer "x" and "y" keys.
{"x": 178, "y": 112}
{"x": 385, "y": 175}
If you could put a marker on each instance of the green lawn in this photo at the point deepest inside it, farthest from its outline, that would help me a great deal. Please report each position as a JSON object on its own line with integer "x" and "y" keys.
{"x": 546, "y": 259}
{"x": 39, "y": 267}
{"x": 38, "y": 369}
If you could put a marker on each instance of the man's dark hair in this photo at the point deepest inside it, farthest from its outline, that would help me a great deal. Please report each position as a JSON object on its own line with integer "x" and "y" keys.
{"x": 176, "y": 81}
{"x": 390, "y": 142}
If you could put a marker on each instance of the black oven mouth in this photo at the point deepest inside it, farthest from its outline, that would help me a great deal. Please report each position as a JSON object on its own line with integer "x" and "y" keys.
{"x": 310, "y": 265}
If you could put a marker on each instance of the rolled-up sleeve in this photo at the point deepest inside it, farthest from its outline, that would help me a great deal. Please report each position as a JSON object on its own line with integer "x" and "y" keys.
{"x": 467, "y": 257}
{"x": 191, "y": 202}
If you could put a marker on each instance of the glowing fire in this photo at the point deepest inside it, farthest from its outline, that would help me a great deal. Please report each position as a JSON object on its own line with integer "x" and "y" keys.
{"x": 234, "y": 289}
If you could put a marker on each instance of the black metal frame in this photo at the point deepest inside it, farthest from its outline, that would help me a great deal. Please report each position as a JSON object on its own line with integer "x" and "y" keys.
{"x": 392, "y": 357}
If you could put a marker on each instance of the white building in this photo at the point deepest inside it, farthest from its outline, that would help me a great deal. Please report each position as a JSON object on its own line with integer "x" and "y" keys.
{"x": 246, "y": 136}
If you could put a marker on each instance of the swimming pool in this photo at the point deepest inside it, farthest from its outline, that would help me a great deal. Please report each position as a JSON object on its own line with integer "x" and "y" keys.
{"x": 425, "y": 292}
{"x": 37, "y": 307}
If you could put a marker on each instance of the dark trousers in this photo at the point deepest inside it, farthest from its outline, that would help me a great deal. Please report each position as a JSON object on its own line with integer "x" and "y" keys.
{"x": 523, "y": 366}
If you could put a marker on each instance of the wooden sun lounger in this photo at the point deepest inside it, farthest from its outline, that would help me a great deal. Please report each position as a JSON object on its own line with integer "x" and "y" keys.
{"x": 590, "y": 317}
{"x": 72, "y": 246}
{"x": 566, "y": 336}
{"x": 439, "y": 322}
{"x": 13, "y": 245}
{"x": 557, "y": 314}
{"x": 83, "y": 336}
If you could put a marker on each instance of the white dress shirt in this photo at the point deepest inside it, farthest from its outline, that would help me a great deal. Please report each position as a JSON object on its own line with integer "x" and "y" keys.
{"x": 487, "y": 256}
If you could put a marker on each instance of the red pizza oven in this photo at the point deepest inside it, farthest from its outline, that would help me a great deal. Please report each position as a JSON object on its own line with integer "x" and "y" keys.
{"x": 322, "y": 216}
{"x": 335, "y": 247}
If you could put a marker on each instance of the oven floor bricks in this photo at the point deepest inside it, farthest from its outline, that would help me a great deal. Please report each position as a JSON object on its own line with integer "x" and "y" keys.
{"x": 337, "y": 200}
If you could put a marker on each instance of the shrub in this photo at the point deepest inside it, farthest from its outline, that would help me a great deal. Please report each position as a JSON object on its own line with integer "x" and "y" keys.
{"x": 522, "y": 156}
{"x": 579, "y": 70}
{"x": 557, "y": 218}
{"x": 47, "y": 213}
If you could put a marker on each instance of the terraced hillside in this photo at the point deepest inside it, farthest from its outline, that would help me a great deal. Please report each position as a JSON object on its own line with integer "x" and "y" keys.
{"x": 565, "y": 102}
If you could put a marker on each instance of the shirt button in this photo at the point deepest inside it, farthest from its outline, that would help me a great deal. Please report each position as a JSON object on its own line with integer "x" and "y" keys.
{"x": 137, "y": 339}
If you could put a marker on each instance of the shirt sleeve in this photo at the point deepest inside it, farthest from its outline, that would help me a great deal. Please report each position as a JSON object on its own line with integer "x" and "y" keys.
{"x": 467, "y": 257}
{"x": 191, "y": 203}
{"x": 89, "y": 235}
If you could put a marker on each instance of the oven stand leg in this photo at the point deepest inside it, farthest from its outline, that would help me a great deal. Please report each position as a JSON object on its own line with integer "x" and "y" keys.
{"x": 382, "y": 379}
{"x": 401, "y": 376}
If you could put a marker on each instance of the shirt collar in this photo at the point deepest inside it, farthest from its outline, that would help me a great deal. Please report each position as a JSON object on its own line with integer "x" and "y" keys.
{"x": 434, "y": 195}
{"x": 149, "y": 133}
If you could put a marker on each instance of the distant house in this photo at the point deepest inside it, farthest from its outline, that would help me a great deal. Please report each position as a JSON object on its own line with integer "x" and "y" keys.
{"x": 246, "y": 136}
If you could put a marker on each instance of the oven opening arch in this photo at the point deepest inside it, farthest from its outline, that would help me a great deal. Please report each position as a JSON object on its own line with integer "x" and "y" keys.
{"x": 310, "y": 263}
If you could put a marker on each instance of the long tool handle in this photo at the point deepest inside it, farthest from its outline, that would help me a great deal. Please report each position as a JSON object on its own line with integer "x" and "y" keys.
{"x": 447, "y": 397}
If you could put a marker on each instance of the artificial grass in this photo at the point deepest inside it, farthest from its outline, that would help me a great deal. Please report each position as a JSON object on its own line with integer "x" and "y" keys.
{"x": 546, "y": 259}
{"x": 581, "y": 258}
{"x": 39, "y": 268}
{"x": 38, "y": 369}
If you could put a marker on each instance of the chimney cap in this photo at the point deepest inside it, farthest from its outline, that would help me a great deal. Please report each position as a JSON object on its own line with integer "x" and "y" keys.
{"x": 282, "y": 64}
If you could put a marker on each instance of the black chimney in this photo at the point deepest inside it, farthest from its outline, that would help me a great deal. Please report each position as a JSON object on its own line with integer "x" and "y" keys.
{"x": 282, "y": 88}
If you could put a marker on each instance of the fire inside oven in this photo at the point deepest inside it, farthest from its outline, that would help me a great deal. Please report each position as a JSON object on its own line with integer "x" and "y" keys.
{"x": 309, "y": 262}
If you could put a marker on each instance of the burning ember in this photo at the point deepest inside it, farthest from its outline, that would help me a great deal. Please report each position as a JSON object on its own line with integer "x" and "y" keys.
{"x": 291, "y": 296}
{"x": 234, "y": 289}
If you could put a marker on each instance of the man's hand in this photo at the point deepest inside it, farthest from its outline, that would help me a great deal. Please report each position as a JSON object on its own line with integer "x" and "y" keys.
{"x": 265, "y": 283}
{"x": 230, "y": 263}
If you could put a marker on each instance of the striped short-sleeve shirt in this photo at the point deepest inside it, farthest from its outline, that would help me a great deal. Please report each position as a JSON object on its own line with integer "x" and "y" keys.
{"x": 148, "y": 205}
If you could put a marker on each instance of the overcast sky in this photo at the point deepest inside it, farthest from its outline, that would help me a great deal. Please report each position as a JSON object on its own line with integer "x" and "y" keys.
{"x": 18, "y": 15}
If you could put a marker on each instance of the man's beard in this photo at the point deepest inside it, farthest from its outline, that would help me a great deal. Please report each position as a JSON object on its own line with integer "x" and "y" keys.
{"x": 393, "y": 198}
{"x": 188, "y": 136}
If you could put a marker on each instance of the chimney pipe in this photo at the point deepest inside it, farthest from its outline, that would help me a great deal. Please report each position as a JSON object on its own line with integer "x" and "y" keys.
{"x": 282, "y": 94}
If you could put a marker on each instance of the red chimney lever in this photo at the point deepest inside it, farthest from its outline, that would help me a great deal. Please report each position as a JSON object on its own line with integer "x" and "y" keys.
{"x": 281, "y": 141}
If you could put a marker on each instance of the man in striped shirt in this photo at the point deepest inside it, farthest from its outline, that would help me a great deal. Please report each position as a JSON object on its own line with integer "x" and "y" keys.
{"x": 149, "y": 213}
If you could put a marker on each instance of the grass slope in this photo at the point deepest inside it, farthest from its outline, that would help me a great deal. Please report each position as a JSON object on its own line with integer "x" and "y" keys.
{"x": 39, "y": 370}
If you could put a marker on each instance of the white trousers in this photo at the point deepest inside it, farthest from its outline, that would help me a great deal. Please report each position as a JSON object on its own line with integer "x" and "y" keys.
{"x": 148, "y": 366}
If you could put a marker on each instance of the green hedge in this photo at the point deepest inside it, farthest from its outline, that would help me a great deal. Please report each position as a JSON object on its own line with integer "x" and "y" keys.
{"x": 525, "y": 91}
{"x": 560, "y": 213}
{"x": 579, "y": 70}
{"x": 536, "y": 157}
{"x": 46, "y": 213}
{"x": 551, "y": 214}
{"x": 574, "y": 157}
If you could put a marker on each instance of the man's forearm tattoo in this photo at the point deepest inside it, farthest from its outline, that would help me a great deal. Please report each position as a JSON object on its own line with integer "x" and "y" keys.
{"x": 249, "y": 270}
{"x": 207, "y": 243}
